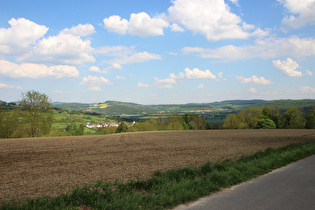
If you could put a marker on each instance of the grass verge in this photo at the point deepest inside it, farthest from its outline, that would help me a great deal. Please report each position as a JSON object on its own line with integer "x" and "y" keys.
{"x": 171, "y": 188}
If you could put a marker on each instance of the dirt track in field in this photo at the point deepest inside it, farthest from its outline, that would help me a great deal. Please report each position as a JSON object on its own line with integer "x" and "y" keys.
{"x": 35, "y": 166}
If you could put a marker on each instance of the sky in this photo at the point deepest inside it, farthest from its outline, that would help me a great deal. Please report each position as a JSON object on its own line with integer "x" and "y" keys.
{"x": 157, "y": 52}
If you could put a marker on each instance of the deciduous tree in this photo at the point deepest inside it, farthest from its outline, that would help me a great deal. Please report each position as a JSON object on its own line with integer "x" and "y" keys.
{"x": 39, "y": 114}
{"x": 293, "y": 118}
{"x": 310, "y": 119}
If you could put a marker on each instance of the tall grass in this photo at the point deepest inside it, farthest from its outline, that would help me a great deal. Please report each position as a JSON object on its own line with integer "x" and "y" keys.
{"x": 170, "y": 188}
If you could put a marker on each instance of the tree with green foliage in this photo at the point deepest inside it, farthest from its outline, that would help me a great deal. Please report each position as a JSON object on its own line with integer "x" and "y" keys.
{"x": 293, "y": 118}
{"x": 250, "y": 117}
{"x": 122, "y": 128}
{"x": 196, "y": 120}
{"x": 39, "y": 114}
{"x": 310, "y": 119}
{"x": 8, "y": 124}
{"x": 231, "y": 122}
{"x": 192, "y": 125}
{"x": 267, "y": 124}
{"x": 272, "y": 114}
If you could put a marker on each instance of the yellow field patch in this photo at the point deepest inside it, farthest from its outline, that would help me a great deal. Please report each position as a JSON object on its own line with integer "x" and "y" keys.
{"x": 99, "y": 106}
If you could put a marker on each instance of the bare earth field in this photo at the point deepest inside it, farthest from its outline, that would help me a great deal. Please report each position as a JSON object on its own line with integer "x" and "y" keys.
{"x": 35, "y": 166}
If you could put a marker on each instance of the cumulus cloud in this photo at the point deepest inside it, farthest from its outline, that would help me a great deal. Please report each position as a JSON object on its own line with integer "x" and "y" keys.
{"x": 140, "y": 24}
{"x": 220, "y": 75}
{"x": 252, "y": 90}
{"x": 140, "y": 84}
{"x": 139, "y": 57}
{"x": 307, "y": 89}
{"x": 301, "y": 12}
{"x": 4, "y": 86}
{"x": 176, "y": 28}
{"x": 80, "y": 30}
{"x": 94, "y": 88}
{"x": 234, "y": 2}
{"x": 61, "y": 49}
{"x": 94, "y": 82}
{"x": 211, "y": 18}
{"x": 166, "y": 86}
{"x": 95, "y": 69}
{"x": 198, "y": 74}
{"x": 168, "y": 80}
{"x": 115, "y": 24}
{"x": 115, "y": 51}
{"x": 36, "y": 71}
{"x": 124, "y": 55}
{"x": 263, "y": 48}
{"x": 120, "y": 78}
{"x": 254, "y": 79}
{"x": 288, "y": 67}
{"x": 189, "y": 74}
{"x": 22, "y": 34}
{"x": 200, "y": 86}
{"x": 308, "y": 72}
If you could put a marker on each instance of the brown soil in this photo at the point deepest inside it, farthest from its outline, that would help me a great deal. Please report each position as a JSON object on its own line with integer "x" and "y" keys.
{"x": 35, "y": 166}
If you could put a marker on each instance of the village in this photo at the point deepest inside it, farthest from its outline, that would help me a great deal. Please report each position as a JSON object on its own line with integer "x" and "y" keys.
{"x": 111, "y": 124}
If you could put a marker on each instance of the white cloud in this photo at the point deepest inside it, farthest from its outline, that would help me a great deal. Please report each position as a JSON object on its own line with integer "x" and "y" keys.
{"x": 93, "y": 80}
{"x": 140, "y": 84}
{"x": 189, "y": 74}
{"x": 120, "y": 78}
{"x": 308, "y": 72}
{"x": 80, "y": 30}
{"x": 198, "y": 74}
{"x": 220, "y": 75}
{"x": 20, "y": 36}
{"x": 307, "y": 89}
{"x": 263, "y": 48}
{"x": 61, "y": 49}
{"x": 166, "y": 86}
{"x": 287, "y": 67}
{"x": 9, "y": 86}
{"x": 115, "y": 51}
{"x": 254, "y": 79}
{"x": 252, "y": 90}
{"x": 116, "y": 24}
{"x": 36, "y": 71}
{"x": 211, "y": 18}
{"x": 140, "y": 24}
{"x": 135, "y": 58}
{"x": 176, "y": 28}
{"x": 302, "y": 12}
{"x": 95, "y": 69}
{"x": 124, "y": 55}
{"x": 168, "y": 80}
{"x": 94, "y": 88}
{"x": 234, "y": 2}
{"x": 200, "y": 86}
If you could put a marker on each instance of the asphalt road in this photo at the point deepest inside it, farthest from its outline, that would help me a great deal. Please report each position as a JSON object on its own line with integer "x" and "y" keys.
{"x": 290, "y": 187}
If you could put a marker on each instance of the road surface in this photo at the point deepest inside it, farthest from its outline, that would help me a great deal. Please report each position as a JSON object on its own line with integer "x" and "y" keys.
{"x": 290, "y": 187}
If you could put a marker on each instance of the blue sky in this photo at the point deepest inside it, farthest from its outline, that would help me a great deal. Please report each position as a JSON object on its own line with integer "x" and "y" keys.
{"x": 157, "y": 52}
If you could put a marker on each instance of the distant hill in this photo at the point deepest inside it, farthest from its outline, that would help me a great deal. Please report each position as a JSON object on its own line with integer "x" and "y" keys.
{"x": 120, "y": 108}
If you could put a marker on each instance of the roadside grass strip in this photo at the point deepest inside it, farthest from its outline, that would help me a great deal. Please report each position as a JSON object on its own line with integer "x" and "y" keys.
{"x": 165, "y": 190}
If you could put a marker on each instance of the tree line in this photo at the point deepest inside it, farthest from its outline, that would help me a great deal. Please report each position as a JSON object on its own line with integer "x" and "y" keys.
{"x": 33, "y": 117}
{"x": 173, "y": 122}
{"x": 270, "y": 118}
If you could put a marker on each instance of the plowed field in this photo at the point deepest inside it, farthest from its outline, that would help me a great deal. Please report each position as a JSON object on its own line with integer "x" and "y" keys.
{"x": 35, "y": 166}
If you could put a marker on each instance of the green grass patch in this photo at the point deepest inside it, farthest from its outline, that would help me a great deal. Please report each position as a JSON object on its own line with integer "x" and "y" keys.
{"x": 173, "y": 187}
